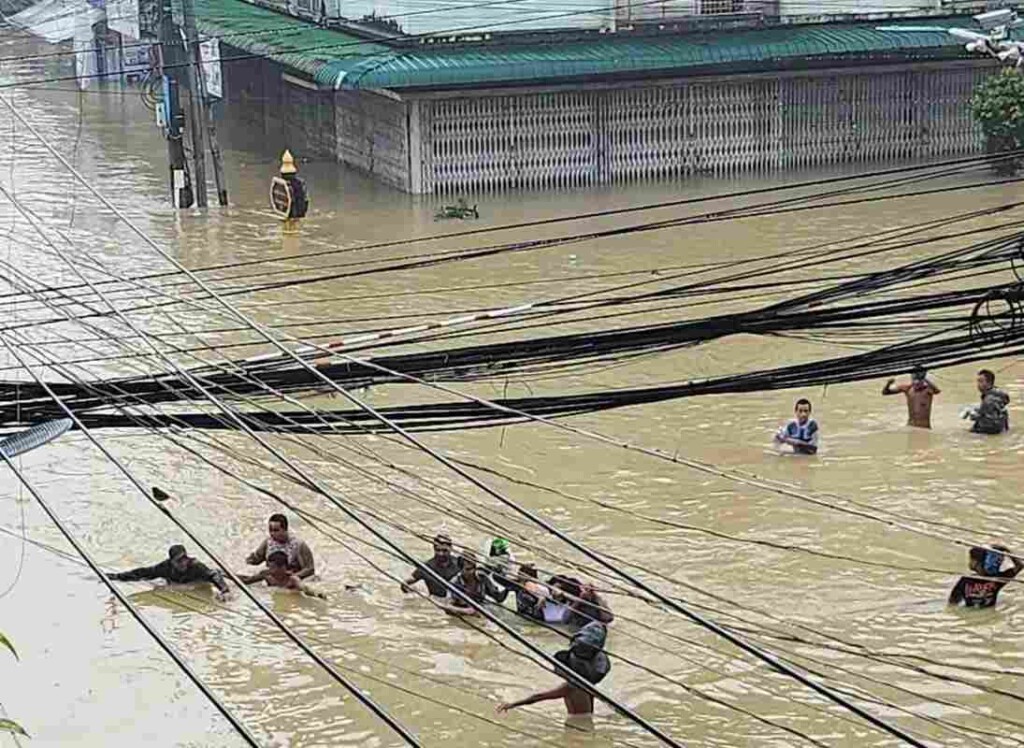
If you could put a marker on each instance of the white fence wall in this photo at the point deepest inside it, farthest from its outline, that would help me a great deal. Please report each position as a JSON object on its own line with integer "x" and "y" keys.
{"x": 720, "y": 126}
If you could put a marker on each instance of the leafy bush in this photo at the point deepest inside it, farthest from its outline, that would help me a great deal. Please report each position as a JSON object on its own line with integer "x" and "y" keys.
{"x": 998, "y": 106}
{"x": 9, "y": 725}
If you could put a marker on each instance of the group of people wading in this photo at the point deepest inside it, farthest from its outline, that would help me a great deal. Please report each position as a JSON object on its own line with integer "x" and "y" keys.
{"x": 452, "y": 580}
{"x": 990, "y": 416}
{"x": 561, "y": 600}
{"x": 457, "y": 581}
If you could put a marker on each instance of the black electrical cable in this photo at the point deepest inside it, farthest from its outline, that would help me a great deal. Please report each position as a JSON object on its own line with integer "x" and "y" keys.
{"x": 568, "y": 673}
{"x": 240, "y": 728}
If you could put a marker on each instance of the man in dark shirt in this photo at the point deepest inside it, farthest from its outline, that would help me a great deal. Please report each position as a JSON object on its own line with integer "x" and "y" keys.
{"x": 981, "y": 591}
{"x": 476, "y": 584}
{"x": 990, "y": 416}
{"x": 443, "y": 564}
{"x": 178, "y": 568}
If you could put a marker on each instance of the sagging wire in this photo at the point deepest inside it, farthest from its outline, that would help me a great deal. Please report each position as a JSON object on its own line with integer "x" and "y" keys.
{"x": 568, "y": 673}
{"x": 269, "y": 339}
{"x": 515, "y": 246}
{"x": 235, "y": 723}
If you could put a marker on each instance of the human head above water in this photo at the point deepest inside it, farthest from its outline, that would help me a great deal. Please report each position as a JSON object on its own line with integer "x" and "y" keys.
{"x": 984, "y": 561}
{"x": 277, "y": 525}
{"x": 277, "y": 561}
{"x": 918, "y": 373}
{"x": 802, "y": 409}
{"x": 442, "y": 545}
{"x": 986, "y": 381}
{"x": 563, "y": 586}
{"x": 589, "y": 640}
{"x": 178, "y": 556}
{"x": 468, "y": 563}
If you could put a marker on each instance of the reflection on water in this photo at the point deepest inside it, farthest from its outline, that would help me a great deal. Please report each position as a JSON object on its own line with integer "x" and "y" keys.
{"x": 89, "y": 676}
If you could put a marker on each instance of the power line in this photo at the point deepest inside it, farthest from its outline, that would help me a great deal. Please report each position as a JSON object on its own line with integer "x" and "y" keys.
{"x": 240, "y": 728}
{"x": 569, "y": 674}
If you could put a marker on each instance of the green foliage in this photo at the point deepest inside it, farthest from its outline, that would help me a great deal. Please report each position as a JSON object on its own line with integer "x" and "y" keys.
{"x": 4, "y": 641}
{"x": 998, "y": 106}
{"x": 8, "y": 725}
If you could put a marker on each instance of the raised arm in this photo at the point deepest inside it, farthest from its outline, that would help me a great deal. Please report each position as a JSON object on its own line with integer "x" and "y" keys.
{"x": 1018, "y": 564}
{"x": 258, "y": 556}
{"x": 306, "y": 564}
{"x": 890, "y": 390}
{"x": 555, "y": 693}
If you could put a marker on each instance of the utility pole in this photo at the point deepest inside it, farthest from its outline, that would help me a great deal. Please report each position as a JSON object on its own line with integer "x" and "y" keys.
{"x": 211, "y": 131}
{"x": 197, "y": 97}
{"x": 167, "y": 59}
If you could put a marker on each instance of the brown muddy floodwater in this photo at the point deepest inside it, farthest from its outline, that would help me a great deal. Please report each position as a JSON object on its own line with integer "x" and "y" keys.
{"x": 90, "y": 676}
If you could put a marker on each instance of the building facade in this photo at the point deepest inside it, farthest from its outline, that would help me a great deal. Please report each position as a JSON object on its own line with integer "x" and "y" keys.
{"x": 452, "y": 121}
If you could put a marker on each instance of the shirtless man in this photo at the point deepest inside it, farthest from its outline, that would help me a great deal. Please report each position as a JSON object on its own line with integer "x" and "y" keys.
{"x": 919, "y": 391}
{"x": 587, "y": 659}
{"x": 278, "y": 574}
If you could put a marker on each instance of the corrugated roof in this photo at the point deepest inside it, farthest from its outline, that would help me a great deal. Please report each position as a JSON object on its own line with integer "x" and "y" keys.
{"x": 295, "y": 43}
{"x": 340, "y": 60}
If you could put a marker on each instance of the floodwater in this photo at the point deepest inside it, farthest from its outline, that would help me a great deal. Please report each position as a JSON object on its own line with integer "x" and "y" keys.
{"x": 89, "y": 675}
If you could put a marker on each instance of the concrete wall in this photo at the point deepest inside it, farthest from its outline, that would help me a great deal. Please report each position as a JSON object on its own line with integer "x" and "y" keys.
{"x": 281, "y": 110}
{"x": 373, "y": 136}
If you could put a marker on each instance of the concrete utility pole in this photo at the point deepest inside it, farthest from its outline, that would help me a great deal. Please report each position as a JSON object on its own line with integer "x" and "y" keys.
{"x": 197, "y": 98}
{"x": 211, "y": 131}
{"x": 181, "y": 188}
{"x": 218, "y": 159}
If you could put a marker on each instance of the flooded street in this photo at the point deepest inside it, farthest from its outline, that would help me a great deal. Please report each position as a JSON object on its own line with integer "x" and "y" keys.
{"x": 817, "y": 582}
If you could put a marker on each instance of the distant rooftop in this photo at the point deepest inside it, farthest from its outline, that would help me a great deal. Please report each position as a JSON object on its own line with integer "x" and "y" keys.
{"x": 338, "y": 59}
{"x": 448, "y": 18}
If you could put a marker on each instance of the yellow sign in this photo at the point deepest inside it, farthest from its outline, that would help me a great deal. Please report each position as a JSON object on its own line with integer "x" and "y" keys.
{"x": 280, "y": 197}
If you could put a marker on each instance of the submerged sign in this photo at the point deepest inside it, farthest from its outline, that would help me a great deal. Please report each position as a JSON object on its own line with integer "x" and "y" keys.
{"x": 281, "y": 197}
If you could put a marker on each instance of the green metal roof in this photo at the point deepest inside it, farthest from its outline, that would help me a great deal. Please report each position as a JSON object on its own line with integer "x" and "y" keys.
{"x": 338, "y": 60}
{"x": 295, "y": 43}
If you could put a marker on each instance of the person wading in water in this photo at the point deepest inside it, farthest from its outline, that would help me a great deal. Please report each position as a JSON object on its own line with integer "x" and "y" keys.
{"x": 300, "y": 557}
{"x": 442, "y": 563}
{"x": 991, "y": 415}
{"x": 982, "y": 591}
{"x": 801, "y": 433}
{"x": 178, "y": 568}
{"x": 919, "y": 392}
{"x": 586, "y": 658}
{"x": 278, "y": 574}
